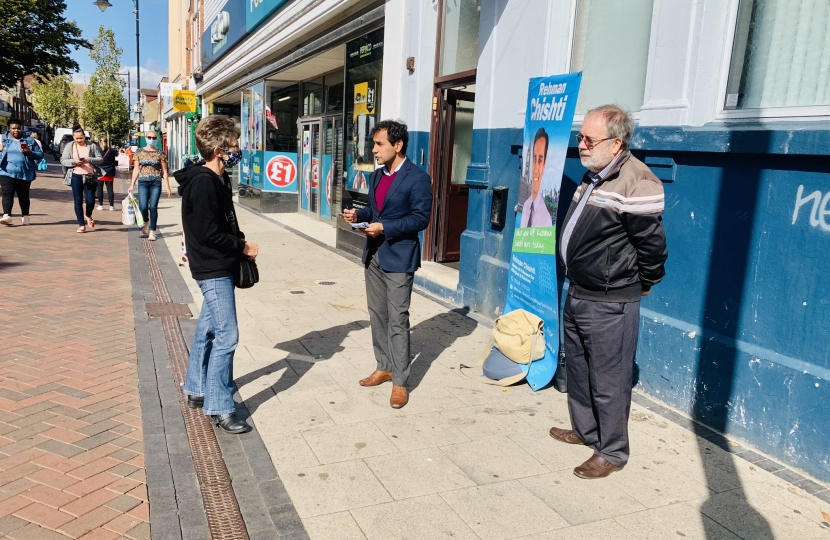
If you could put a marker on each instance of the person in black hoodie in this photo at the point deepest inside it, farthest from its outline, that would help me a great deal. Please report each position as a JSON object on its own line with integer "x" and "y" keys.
{"x": 214, "y": 245}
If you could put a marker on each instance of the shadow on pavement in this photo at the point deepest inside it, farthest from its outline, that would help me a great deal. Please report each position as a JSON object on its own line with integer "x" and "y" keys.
{"x": 430, "y": 338}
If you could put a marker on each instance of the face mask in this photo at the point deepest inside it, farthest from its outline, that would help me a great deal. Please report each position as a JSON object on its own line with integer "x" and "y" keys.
{"x": 152, "y": 142}
{"x": 233, "y": 159}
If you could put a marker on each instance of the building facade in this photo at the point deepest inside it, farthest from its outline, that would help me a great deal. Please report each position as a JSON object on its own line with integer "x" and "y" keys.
{"x": 732, "y": 104}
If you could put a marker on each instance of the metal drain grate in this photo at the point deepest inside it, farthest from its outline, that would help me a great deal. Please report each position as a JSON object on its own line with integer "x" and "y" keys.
{"x": 326, "y": 283}
{"x": 297, "y": 292}
{"x": 221, "y": 507}
{"x": 168, "y": 309}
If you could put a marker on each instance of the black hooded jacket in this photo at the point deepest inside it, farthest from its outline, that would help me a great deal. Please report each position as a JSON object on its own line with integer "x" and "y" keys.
{"x": 211, "y": 234}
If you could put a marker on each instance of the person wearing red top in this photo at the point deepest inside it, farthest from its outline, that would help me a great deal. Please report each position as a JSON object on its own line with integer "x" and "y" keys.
{"x": 400, "y": 202}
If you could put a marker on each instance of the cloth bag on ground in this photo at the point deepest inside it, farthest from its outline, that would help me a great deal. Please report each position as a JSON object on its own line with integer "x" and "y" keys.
{"x": 519, "y": 340}
{"x": 127, "y": 212}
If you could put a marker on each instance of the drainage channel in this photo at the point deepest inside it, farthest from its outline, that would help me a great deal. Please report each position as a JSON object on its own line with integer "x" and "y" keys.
{"x": 221, "y": 507}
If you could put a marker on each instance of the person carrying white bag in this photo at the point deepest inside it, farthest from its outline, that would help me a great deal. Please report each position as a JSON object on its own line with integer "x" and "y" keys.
{"x": 127, "y": 212}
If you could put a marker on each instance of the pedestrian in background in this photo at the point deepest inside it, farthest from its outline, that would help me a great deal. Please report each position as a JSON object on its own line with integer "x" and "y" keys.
{"x": 80, "y": 157}
{"x": 214, "y": 246}
{"x": 37, "y": 139}
{"x": 150, "y": 168}
{"x": 19, "y": 156}
{"x": 108, "y": 160}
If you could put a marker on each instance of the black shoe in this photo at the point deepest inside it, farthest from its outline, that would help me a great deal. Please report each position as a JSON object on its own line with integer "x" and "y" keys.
{"x": 195, "y": 402}
{"x": 230, "y": 423}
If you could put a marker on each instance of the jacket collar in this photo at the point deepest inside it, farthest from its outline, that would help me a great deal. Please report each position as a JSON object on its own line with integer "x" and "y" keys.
{"x": 615, "y": 170}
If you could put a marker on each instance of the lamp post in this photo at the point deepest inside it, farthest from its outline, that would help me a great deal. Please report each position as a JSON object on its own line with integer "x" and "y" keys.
{"x": 103, "y": 5}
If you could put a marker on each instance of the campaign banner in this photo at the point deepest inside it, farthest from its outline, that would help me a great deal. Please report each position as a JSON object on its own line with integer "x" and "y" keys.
{"x": 532, "y": 286}
{"x": 281, "y": 173}
{"x": 325, "y": 189}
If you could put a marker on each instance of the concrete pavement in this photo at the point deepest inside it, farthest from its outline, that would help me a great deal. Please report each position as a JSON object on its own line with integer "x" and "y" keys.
{"x": 463, "y": 459}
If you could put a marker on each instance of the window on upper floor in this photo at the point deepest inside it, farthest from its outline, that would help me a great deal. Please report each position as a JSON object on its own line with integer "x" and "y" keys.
{"x": 780, "y": 55}
{"x": 610, "y": 47}
{"x": 459, "y": 36}
{"x": 195, "y": 45}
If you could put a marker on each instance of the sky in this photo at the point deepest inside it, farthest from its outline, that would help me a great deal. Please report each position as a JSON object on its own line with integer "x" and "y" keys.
{"x": 120, "y": 17}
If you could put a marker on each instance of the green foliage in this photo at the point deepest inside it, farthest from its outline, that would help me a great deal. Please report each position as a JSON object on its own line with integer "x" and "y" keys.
{"x": 54, "y": 102}
{"x": 36, "y": 39}
{"x": 105, "y": 109}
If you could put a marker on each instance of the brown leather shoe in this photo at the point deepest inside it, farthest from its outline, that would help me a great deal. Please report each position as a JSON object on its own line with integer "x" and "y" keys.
{"x": 376, "y": 378}
{"x": 595, "y": 467}
{"x": 400, "y": 397}
{"x": 566, "y": 435}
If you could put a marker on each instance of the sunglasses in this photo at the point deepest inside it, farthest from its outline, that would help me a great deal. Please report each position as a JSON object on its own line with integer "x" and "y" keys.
{"x": 151, "y": 138}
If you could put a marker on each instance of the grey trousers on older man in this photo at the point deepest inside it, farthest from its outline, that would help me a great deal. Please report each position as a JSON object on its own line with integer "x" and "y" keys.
{"x": 388, "y": 295}
{"x": 600, "y": 347}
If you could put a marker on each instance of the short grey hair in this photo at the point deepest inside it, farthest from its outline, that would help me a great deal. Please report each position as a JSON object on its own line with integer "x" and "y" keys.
{"x": 618, "y": 122}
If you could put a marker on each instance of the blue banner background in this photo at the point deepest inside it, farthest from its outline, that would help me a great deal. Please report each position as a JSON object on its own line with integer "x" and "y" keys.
{"x": 551, "y": 105}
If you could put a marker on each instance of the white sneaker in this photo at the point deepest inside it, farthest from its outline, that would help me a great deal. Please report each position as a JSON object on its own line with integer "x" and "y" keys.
{"x": 25, "y": 220}
{"x": 100, "y": 207}
{"x": 6, "y": 220}
{"x": 152, "y": 236}
{"x": 112, "y": 208}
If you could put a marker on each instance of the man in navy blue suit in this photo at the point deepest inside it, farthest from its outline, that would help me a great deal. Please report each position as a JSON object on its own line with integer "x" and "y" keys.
{"x": 400, "y": 202}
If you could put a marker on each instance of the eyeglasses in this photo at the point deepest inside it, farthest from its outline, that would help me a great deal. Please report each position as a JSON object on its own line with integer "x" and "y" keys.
{"x": 590, "y": 143}
{"x": 151, "y": 138}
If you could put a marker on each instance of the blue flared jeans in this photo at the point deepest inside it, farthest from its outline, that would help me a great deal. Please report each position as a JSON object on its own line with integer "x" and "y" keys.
{"x": 210, "y": 368}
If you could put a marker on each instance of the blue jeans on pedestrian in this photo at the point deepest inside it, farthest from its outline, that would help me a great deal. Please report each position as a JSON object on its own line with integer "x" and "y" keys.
{"x": 80, "y": 193}
{"x": 210, "y": 369}
{"x": 148, "y": 200}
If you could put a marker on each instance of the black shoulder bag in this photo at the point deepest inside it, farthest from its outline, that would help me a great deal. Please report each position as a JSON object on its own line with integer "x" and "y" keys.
{"x": 245, "y": 272}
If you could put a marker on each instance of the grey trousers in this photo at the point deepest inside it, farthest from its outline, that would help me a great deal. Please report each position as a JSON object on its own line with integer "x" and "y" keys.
{"x": 600, "y": 346}
{"x": 388, "y": 295}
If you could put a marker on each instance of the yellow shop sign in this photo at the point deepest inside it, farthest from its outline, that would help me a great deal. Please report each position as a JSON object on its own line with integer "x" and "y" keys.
{"x": 184, "y": 100}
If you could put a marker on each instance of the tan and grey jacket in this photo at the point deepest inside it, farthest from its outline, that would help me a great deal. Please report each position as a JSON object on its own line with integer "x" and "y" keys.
{"x": 618, "y": 247}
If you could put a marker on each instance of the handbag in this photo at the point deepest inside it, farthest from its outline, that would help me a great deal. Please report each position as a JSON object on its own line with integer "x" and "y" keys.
{"x": 41, "y": 165}
{"x": 246, "y": 274}
{"x": 519, "y": 336}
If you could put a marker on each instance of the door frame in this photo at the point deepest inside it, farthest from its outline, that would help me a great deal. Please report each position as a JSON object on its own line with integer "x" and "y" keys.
{"x": 301, "y": 123}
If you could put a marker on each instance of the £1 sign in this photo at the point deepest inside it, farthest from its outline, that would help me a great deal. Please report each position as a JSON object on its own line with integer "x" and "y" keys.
{"x": 281, "y": 171}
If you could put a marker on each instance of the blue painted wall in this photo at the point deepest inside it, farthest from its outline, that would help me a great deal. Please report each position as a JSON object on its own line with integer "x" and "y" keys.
{"x": 737, "y": 333}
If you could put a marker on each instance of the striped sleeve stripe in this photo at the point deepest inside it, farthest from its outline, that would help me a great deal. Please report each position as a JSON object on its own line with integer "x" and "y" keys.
{"x": 620, "y": 198}
{"x": 628, "y": 208}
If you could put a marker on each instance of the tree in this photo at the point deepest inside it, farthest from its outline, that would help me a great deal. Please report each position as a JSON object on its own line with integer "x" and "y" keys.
{"x": 55, "y": 102}
{"x": 36, "y": 40}
{"x": 105, "y": 109}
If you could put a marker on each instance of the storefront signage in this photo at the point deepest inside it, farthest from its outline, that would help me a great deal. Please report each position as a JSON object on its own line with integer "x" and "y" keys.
{"x": 184, "y": 100}
{"x": 224, "y": 31}
{"x": 281, "y": 172}
{"x": 259, "y": 10}
{"x": 166, "y": 89}
{"x": 551, "y": 104}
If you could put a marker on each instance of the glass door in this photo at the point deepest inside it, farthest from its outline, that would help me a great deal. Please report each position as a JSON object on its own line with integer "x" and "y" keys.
{"x": 310, "y": 166}
{"x": 331, "y": 164}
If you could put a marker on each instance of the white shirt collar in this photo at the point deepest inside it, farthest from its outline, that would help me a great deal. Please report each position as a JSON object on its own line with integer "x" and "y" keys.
{"x": 387, "y": 173}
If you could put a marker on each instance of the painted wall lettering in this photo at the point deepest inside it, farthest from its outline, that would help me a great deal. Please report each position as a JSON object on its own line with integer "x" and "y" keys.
{"x": 820, "y": 210}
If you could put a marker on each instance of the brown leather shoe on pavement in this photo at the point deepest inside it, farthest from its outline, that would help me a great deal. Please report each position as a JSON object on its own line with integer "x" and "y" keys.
{"x": 376, "y": 378}
{"x": 595, "y": 467}
{"x": 566, "y": 435}
{"x": 400, "y": 397}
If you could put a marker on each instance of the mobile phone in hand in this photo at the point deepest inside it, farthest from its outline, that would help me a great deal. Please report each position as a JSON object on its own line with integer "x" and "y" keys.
{"x": 24, "y": 145}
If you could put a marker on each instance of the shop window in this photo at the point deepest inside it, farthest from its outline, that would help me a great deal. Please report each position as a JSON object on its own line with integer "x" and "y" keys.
{"x": 334, "y": 92}
{"x": 611, "y": 49}
{"x": 459, "y": 36}
{"x": 364, "y": 64}
{"x": 281, "y": 118}
{"x": 313, "y": 97}
{"x": 780, "y": 55}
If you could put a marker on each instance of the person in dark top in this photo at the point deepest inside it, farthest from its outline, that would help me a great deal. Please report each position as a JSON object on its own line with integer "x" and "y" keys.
{"x": 214, "y": 245}
{"x": 108, "y": 162}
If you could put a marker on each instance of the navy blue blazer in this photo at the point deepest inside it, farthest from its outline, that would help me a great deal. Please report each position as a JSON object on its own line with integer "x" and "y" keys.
{"x": 405, "y": 213}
